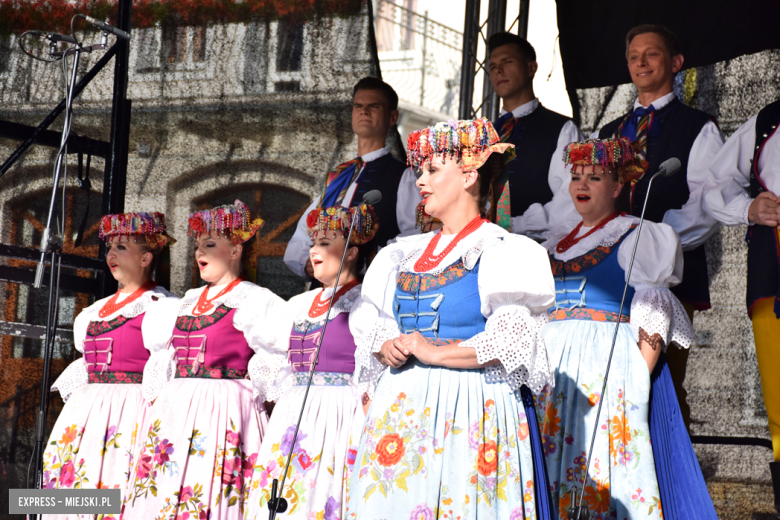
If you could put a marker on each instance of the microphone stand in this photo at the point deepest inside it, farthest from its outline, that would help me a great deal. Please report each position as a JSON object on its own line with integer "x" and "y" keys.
{"x": 51, "y": 244}
{"x": 279, "y": 504}
{"x": 578, "y": 513}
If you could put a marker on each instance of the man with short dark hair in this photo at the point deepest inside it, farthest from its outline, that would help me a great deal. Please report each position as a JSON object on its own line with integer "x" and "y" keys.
{"x": 662, "y": 127}
{"x": 523, "y": 196}
{"x": 374, "y": 112}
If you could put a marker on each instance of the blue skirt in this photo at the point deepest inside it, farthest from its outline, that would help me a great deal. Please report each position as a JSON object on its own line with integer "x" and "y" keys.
{"x": 441, "y": 441}
{"x": 684, "y": 493}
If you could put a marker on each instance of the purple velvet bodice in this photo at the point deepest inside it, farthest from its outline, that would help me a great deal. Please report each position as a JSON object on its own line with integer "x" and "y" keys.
{"x": 211, "y": 341}
{"x": 338, "y": 350}
{"x": 115, "y": 346}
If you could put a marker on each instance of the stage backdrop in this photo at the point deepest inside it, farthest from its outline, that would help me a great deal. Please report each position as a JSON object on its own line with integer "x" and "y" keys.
{"x": 730, "y": 74}
{"x": 248, "y": 99}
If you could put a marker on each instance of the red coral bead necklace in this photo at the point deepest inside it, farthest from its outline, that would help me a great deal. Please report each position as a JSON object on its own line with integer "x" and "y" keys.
{"x": 204, "y": 304}
{"x": 428, "y": 260}
{"x": 318, "y": 307}
{"x": 111, "y": 306}
{"x": 569, "y": 240}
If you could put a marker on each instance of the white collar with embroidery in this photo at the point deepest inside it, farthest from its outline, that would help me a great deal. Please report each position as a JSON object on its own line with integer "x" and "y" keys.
{"x": 524, "y": 109}
{"x": 607, "y": 236}
{"x": 131, "y": 310}
{"x": 409, "y": 249}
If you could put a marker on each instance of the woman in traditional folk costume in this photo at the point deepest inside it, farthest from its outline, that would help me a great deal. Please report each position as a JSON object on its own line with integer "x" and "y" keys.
{"x": 207, "y": 422}
{"x": 92, "y": 442}
{"x": 451, "y": 431}
{"x": 590, "y": 264}
{"x": 316, "y": 482}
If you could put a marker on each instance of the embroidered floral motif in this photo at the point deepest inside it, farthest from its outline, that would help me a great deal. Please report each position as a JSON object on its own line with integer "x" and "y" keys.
{"x": 130, "y": 378}
{"x": 96, "y": 328}
{"x": 154, "y": 460}
{"x": 301, "y": 475}
{"x": 190, "y": 323}
{"x": 324, "y": 379}
{"x": 587, "y": 314}
{"x": 208, "y": 372}
{"x": 582, "y": 263}
{"x": 61, "y": 468}
{"x": 413, "y": 282}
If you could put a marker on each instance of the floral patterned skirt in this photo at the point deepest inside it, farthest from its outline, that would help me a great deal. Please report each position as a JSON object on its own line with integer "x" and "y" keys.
{"x": 443, "y": 443}
{"x": 316, "y": 482}
{"x": 197, "y": 456}
{"x": 92, "y": 441}
{"x": 621, "y": 482}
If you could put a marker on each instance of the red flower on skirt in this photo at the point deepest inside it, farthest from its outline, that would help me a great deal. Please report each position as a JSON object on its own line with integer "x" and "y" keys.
{"x": 487, "y": 458}
{"x": 390, "y": 449}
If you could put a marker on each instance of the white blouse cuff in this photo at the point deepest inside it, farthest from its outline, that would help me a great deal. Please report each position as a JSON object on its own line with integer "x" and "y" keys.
{"x": 368, "y": 369}
{"x": 159, "y": 370}
{"x": 72, "y": 378}
{"x": 264, "y": 368}
{"x": 513, "y": 337}
{"x": 658, "y": 311}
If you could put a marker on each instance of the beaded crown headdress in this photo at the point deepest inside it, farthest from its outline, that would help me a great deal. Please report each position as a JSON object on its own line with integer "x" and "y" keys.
{"x": 618, "y": 153}
{"x": 150, "y": 225}
{"x": 231, "y": 221}
{"x": 340, "y": 218}
{"x": 470, "y": 141}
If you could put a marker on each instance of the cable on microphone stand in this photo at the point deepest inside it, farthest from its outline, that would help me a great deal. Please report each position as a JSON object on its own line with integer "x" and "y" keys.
{"x": 668, "y": 168}
{"x": 279, "y": 504}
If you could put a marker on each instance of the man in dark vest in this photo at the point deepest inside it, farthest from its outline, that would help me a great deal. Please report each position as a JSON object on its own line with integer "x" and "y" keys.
{"x": 374, "y": 112}
{"x": 523, "y": 195}
{"x": 745, "y": 189}
{"x": 662, "y": 127}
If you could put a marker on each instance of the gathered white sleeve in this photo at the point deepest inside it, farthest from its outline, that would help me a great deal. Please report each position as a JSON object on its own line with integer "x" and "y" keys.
{"x": 372, "y": 321}
{"x": 658, "y": 266}
{"x": 406, "y": 205}
{"x": 536, "y": 219}
{"x": 692, "y": 223}
{"x": 157, "y": 330}
{"x": 297, "y": 252}
{"x": 258, "y": 318}
{"x": 726, "y": 193}
{"x": 515, "y": 282}
{"x": 76, "y": 375}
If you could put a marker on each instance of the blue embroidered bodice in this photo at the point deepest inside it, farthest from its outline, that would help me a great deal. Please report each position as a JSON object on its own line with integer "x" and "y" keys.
{"x": 444, "y": 306}
{"x": 591, "y": 282}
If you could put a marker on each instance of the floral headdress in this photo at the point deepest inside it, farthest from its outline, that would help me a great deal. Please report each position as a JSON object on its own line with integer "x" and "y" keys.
{"x": 423, "y": 221}
{"x": 150, "y": 225}
{"x": 470, "y": 141}
{"x": 618, "y": 153}
{"x": 229, "y": 221}
{"x": 340, "y": 218}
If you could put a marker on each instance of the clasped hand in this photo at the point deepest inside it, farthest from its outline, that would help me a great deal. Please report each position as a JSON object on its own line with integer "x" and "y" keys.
{"x": 395, "y": 352}
{"x": 765, "y": 210}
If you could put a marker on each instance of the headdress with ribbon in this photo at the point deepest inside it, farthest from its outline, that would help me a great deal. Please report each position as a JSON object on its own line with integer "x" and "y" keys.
{"x": 339, "y": 218}
{"x": 616, "y": 152}
{"x": 150, "y": 225}
{"x": 470, "y": 141}
{"x": 423, "y": 221}
{"x": 231, "y": 221}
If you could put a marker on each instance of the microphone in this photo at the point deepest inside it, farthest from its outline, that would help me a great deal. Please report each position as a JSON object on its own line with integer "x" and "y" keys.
{"x": 53, "y": 37}
{"x": 374, "y": 196}
{"x": 667, "y": 168}
{"x": 119, "y": 33}
{"x": 278, "y": 504}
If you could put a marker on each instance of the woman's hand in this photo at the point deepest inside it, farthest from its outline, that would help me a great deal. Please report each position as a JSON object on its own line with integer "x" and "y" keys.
{"x": 392, "y": 353}
{"x": 419, "y": 347}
